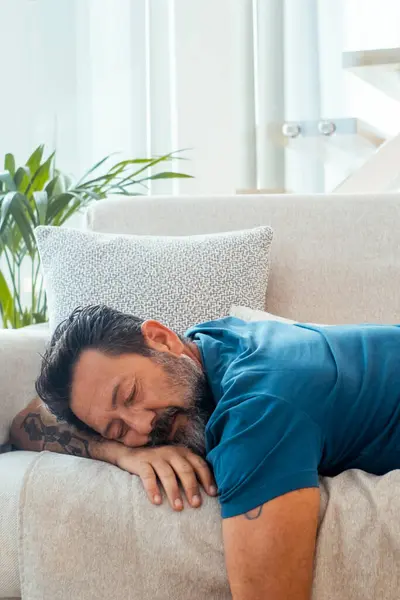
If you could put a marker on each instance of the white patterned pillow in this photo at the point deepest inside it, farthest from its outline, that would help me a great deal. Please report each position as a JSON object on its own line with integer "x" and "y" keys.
{"x": 179, "y": 281}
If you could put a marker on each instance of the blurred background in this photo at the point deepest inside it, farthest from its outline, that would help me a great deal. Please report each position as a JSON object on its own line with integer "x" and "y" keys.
{"x": 265, "y": 95}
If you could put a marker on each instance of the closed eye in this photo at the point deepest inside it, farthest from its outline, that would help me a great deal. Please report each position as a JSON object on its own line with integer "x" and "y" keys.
{"x": 129, "y": 401}
{"x": 122, "y": 434}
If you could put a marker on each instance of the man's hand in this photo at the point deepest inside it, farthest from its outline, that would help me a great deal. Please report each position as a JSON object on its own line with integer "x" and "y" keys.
{"x": 270, "y": 550}
{"x": 169, "y": 464}
{"x": 36, "y": 429}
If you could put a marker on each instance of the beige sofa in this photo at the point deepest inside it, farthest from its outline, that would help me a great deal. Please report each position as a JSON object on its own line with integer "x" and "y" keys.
{"x": 335, "y": 260}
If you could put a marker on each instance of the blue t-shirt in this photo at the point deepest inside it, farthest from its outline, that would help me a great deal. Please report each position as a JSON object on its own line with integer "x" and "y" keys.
{"x": 295, "y": 401}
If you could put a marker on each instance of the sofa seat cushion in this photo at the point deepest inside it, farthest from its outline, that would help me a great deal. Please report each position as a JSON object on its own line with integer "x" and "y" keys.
{"x": 13, "y": 466}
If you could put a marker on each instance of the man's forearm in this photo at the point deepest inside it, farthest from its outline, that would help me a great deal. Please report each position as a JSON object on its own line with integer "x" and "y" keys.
{"x": 37, "y": 429}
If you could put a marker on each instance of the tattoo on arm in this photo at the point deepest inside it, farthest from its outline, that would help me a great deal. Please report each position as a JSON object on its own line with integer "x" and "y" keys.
{"x": 5, "y": 448}
{"x": 254, "y": 514}
{"x": 61, "y": 438}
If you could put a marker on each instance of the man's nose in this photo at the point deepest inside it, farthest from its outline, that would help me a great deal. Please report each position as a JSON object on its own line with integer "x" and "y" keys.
{"x": 142, "y": 422}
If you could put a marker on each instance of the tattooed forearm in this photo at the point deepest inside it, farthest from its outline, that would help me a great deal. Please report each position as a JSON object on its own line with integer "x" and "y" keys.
{"x": 36, "y": 429}
{"x": 56, "y": 438}
{"x": 5, "y": 448}
{"x": 254, "y": 514}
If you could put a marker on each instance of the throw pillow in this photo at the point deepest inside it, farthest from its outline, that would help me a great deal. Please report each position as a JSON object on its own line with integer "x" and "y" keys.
{"x": 179, "y": 281}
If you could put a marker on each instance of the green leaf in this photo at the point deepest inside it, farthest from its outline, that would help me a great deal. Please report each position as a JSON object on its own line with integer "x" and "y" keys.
{"x": 103, "y": 178}
{"x": 35, "y": 159}
{"x": 22, "y": 178}
{"x": 132, "y": 161}
{"x": 138, "y": 161}
{"x": 85, "y": 195}
{"x": 5, "y": 209}
{"x": 68, "y": 182}
{"x": 6, "y": 178}
{"x": 94, "y": 195}
{"x": 41, "y": 201}
{"x": 26, "y": 318}
{"x": 60, "y": 187}
{"x": 6, "y": 300}
{"x": 169, "y": 175}
{"x": 29, "y": 209}
{"x": 76, "y": 206}
{"x": 9, "y": 163}
{"x": 150, "y": 164}
{"x": 126, "y": 193}
{"x": 40, "y": 317}
{"x": 57, "y": 205}
{"x": 41, "y": 176}
{"x": 14, "y": 205}
{"x": 51, "y": 186}
{"x": 96, "y": 166}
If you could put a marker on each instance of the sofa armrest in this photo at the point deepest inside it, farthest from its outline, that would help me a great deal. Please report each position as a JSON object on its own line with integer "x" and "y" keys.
{"x": 20, "y": 351}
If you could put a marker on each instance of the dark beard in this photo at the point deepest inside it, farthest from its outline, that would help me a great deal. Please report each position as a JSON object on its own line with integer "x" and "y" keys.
{"x": 183, "y": 374}
{"x": 190, "y": 435}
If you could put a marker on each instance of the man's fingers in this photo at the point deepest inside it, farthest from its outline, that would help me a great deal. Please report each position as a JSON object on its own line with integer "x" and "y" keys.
{"x": 167, "y": 477}
{"x": 187, "y": 477}
{"x": 203, "y": 472}
{"x": 149, "y": 480}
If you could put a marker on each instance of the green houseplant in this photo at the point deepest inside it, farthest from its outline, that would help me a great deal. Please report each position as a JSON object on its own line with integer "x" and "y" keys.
{"x": 38, "y": 193}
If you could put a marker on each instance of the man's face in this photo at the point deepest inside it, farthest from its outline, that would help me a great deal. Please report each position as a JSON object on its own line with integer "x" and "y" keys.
{"x": 141, "y": 400}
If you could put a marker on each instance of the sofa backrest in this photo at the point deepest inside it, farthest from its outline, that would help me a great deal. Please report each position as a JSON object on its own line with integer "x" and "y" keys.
{"x": 335, "y": 258}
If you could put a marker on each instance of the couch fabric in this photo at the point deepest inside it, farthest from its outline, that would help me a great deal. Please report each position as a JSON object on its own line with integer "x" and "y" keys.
{"x": 89, "y": 532}
{"x": 334, "y": 257}
{"x": 13, "y": 467}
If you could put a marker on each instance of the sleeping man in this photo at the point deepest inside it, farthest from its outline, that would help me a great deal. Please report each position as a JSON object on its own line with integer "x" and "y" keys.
{"x": 262, "y": 407}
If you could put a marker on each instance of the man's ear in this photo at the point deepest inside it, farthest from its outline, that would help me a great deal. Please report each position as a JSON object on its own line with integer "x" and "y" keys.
{"x": 161, "y": 338}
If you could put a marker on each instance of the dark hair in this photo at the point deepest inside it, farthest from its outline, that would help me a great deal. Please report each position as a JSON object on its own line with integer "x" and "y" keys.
{"x": 93, "y": 327}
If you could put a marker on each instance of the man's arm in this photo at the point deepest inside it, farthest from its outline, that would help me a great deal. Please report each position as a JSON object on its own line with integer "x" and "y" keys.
{"x": 36, "y": 429}
{"x": 269, "y": 551}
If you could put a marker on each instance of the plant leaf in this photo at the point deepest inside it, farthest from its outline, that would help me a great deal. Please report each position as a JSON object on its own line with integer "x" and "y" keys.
{"x": 57, "y": 205}
{"x": 96, "y": 166}
{"x": 41, "y": 176}
{"x": 40, "y": 317}
{"x": 80, "y": 194}
{"x": 68, "y": 182}
{"x": 169, "y": 175}
{"x": 35, "y": 159}
{"x": 155, "y": 161}
{"x": 9, "y": 163}
{"x": 6, "y": 178}
{"x": 89, "y": 183}
{"x": 22, "y": 178}
{"x": 14, "y": 204}
{"x": 76, "y": 206}
{"x": 59, "y": 187}
{"x": 5, "y": 209}
{"x": 41, "y": 201}
{"x": 138, "y": 161}
{"x": 6, "y": 300}
{"x": 50, "y": 187}
{"x": 29, "y": 208}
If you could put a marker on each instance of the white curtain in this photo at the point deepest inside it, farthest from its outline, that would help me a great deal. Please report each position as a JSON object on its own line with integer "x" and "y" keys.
{"x": 216, "y": 77}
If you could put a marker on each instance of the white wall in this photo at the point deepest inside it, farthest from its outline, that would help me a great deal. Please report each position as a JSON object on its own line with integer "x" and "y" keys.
{"x": 370, "y": 24}
{"x": 139, "y": 76}
{"x": 85, "y": 76}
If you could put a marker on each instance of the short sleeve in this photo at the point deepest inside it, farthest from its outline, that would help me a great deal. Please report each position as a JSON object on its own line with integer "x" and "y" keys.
{"x": 263, "y": 447}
